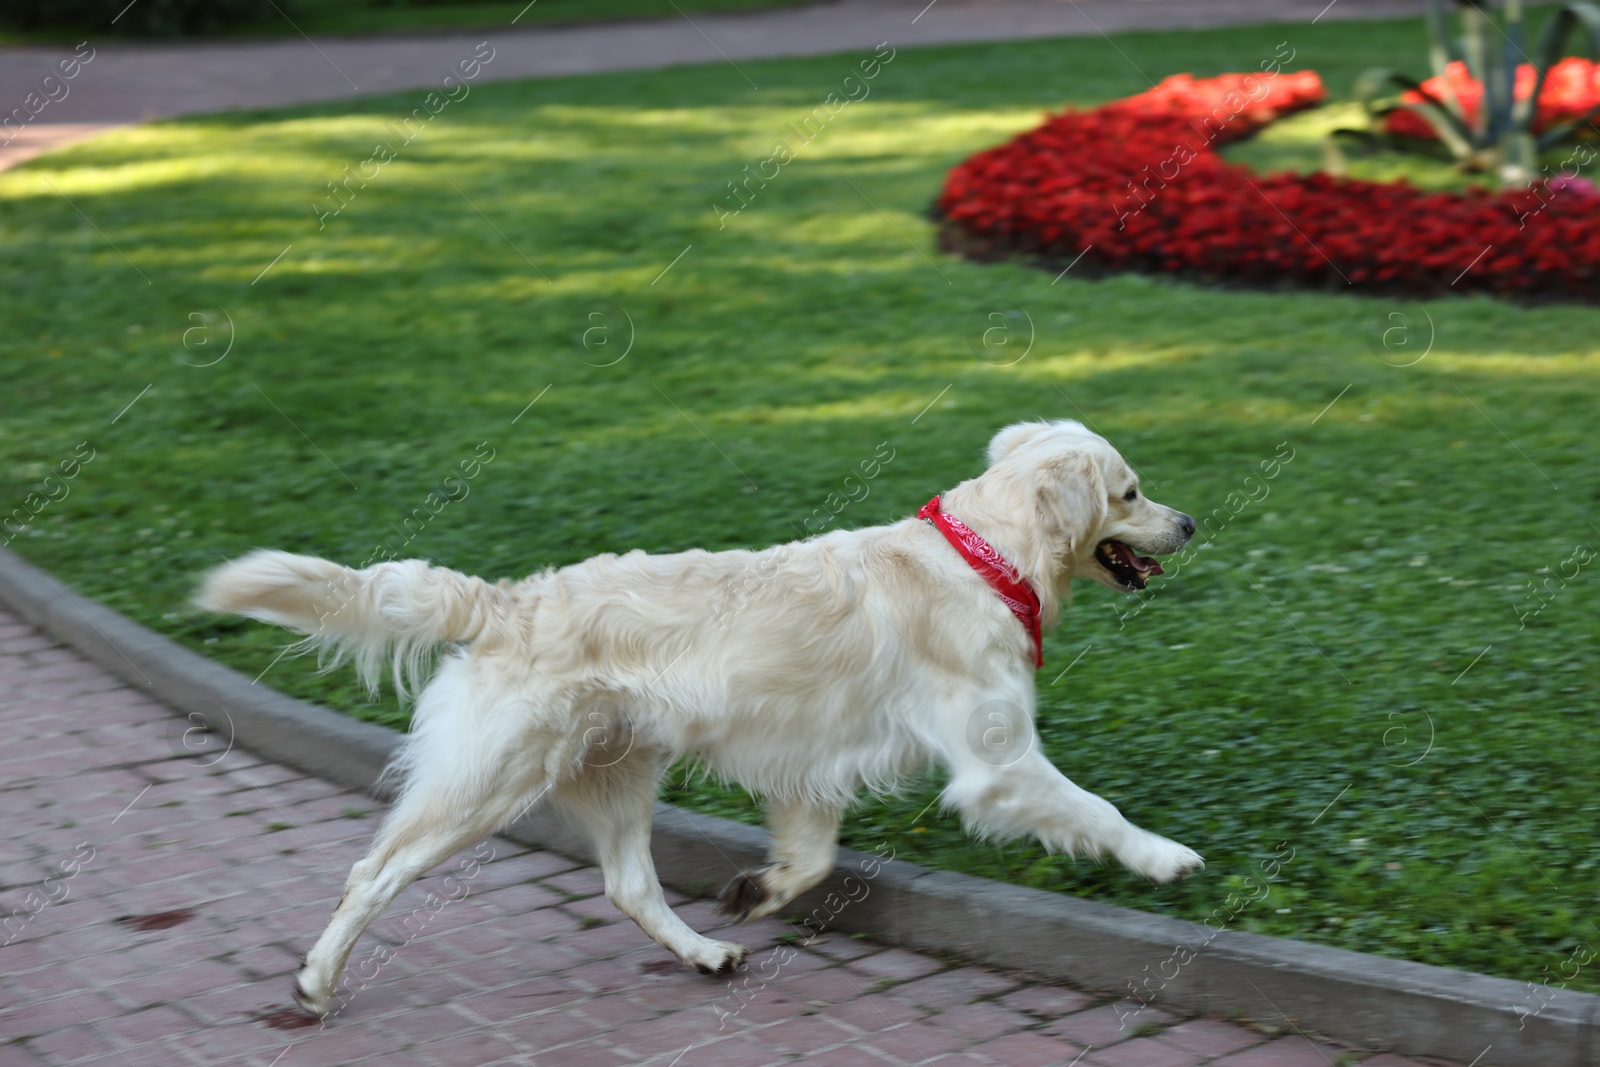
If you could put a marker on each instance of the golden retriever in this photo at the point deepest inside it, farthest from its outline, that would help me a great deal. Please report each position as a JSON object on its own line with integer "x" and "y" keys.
{"x": 804, "y": 672}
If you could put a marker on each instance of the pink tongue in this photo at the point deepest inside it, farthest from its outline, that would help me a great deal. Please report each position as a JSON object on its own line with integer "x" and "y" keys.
{"x": 1142, "y": 564}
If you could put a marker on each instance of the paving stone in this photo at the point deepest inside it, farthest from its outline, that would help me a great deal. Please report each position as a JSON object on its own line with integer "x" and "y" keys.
{"x": 71, "y": 1044}
{"x": 840, "y": 946}
{"x": 31, "y": 1016}
{"x": 852, "y": 1056}
{"x": 1029, "y": 1048}
{"x": 1047, "y": 1001}
{"x": 805, "y": 1034}
{"x": 895, "y": 963}
{"x": 15, "y": 1055}
{"x": 830, "y": 986}
{"x": 238, "y": 1003}
{"x": 1143, "y": 1052}
{"x": 594, "y": 908}
{"x": 583, "y": 1054}
{"x": 916, "y": 1042}
{"x": 403, "y": 1059}
{"x": 981, "y": 1020}
{"x": 1107, "y": 1024}
{"x": 518, "y": 867}
{"x": 536, "y": 995}
{"x": 872, "y": 1014}
{"x": 616, "y": 1013}
{"x": 347, "y": 1040}
{"x": 947, "y": 989}
{"x": 678, "y": 1030}
{"x": 1208, "y": 1037}
{"x": 617, "y": 939}
{"x": 147, "y": 1056}
{"x": 162, "y": 986}
{"x": 265, "y": 961}
{"x": 736, "y": 1051}
{"x": 1284, "y": 1052}
{"x": 769, "y": 1004}
{"x": 160, "y": 1023}
{"x": 583, "y": 882}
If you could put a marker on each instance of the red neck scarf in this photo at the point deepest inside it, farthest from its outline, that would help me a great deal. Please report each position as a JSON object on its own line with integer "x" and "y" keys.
{"x": 993, "y": 568}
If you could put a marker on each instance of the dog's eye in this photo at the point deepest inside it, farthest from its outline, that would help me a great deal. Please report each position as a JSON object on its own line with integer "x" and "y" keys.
{"x": 1131, "y": 495}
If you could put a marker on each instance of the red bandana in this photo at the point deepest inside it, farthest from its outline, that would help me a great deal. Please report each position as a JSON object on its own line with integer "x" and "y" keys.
{"x": 994, "y": 568}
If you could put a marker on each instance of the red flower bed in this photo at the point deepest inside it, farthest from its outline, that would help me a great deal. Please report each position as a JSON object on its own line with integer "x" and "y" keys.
{"x": 1571, "y": 91}
{"x": 1137, "y": 184}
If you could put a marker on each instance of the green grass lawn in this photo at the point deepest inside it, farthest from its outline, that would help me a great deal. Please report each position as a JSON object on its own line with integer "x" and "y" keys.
{"x": 331, "y": 17}
{"x": 1341, "y": 670}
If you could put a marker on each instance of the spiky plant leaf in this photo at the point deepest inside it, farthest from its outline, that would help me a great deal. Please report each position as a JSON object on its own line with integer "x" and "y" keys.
{"x": 1451, "y": 128}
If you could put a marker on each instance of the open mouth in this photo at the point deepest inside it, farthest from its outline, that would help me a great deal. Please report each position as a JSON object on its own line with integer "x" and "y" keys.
{"x": 1126, "y": 565}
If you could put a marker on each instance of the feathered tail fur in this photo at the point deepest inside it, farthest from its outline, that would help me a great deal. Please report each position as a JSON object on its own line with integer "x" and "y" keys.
{"x": 396, "y": 612}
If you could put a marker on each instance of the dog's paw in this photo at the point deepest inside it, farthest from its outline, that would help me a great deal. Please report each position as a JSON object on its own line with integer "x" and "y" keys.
{"x": 741, "y": 897}
{"x": 717, "y": 957}
{"x": 1161, "y": 860}
{"x": 1185, "y": 862}
{"x": 317, "y": 1006}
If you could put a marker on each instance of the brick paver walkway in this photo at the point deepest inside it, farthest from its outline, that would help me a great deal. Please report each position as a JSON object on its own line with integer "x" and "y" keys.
{"x": 161, "y": 887}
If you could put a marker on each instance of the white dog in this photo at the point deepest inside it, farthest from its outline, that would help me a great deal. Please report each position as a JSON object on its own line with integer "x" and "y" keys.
{"x": 803, "y": 672}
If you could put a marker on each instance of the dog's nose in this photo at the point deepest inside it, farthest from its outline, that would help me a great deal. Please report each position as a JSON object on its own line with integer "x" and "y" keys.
{"x": 1187, "y": 523}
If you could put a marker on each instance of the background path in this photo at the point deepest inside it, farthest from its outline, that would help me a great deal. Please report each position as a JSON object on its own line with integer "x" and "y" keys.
{"x": 127, "y": 83}
{"x": 161, "y": 886}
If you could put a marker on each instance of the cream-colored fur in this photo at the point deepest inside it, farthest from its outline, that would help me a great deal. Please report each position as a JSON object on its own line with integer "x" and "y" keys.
{"x": 804, "y": 672}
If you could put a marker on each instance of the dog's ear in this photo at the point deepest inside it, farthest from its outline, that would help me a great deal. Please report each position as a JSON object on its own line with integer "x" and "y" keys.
{"x": 1072, "y": 500}
{"x": 1013, "y": 437}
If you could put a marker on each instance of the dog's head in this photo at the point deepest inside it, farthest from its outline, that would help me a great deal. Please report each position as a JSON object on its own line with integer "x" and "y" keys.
{"x": 1095, "y": 522}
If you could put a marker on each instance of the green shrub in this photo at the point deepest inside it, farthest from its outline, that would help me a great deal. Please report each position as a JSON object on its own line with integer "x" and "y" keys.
{"x": 142, "y": 18}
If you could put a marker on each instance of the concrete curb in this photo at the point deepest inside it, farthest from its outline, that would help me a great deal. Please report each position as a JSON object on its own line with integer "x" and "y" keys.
{"x": 1367, "y": 1000}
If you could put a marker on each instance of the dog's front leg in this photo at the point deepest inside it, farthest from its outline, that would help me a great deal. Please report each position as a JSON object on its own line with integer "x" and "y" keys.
{"x": 805, "y": 839}
{"x": 1029, "y": 796}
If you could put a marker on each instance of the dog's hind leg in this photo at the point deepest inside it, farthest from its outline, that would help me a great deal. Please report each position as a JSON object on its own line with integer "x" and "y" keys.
{"x": 805, "y": 839}
{"x": 613, "y": 804}
{"x": 418, "y": 835}
{"x": 463, "y": 780}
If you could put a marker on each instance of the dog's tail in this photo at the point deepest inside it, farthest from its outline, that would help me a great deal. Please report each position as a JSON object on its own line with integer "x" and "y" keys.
{"x": 396, "y": 612}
